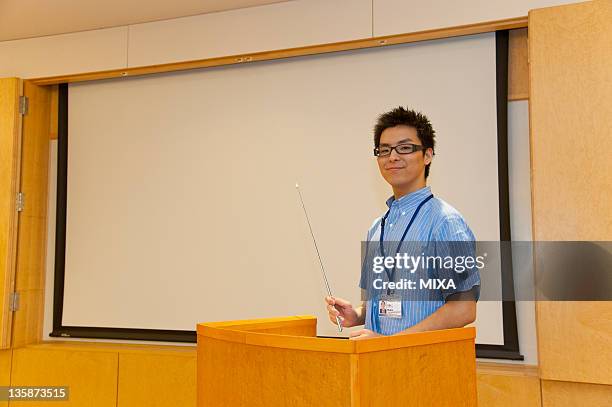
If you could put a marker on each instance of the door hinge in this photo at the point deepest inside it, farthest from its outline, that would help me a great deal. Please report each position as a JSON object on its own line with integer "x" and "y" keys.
{"x": 14, "y": 302}
{"x": 24, "y": 104}
{"x": 20, "y": 201}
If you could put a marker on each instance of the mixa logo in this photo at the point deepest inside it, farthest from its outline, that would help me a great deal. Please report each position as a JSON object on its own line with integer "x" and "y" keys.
{"x": 437, "y": 284}
{"x": 424, "y": 284}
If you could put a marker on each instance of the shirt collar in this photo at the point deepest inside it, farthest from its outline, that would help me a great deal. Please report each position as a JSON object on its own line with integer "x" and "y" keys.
{"x": 410, "y": 200}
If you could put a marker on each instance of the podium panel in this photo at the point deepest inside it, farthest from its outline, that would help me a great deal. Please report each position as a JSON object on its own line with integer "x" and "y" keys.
{"x": 281, "y": 362}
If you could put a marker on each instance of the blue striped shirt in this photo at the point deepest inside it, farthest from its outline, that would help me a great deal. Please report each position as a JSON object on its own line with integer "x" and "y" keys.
{"x": 437, "y": 221}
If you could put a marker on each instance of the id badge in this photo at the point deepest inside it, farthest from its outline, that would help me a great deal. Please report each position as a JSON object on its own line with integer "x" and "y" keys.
{"x": 390, "y": 307}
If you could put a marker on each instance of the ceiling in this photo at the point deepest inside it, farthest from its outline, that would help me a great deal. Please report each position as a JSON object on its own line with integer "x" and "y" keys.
{"x": 35, "y": 18}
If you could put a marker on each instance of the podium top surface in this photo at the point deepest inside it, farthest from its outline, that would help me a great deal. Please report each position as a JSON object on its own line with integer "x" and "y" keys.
{"x": 288, "y": 333}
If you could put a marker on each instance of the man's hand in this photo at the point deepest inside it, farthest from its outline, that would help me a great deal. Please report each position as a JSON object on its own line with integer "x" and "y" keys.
{"x": 337, "y": 307}
{"x": 363, "y": 334}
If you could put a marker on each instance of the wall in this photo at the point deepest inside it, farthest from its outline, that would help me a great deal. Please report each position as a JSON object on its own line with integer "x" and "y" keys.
{"x": 267, "y": 27}
{"x": 276, "y": 26}
{"x": 571, "y": 87}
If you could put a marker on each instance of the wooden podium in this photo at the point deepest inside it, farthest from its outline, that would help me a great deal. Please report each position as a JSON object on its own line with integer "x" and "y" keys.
{"x": 281, "y": 362}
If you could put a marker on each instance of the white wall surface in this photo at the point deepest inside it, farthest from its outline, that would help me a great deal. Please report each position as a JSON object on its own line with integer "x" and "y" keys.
{"x": 275, "y": 26}
{"x": 520, "y": 216}
{"x": 85, "y": 51}
{"x": 401, "y": 16}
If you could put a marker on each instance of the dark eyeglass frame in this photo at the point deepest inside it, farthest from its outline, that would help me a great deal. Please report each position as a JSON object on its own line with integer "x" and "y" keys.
{"x": 414, "y": 148}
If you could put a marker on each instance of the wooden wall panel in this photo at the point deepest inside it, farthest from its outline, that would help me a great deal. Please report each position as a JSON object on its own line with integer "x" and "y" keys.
{"x": 571, "y": 122}
{"x": 518, "y": 67}
{"x": 28, "y": 320}
{"x": 10, "y": 157}
{"x": 567, "y": 394}
{"x": 90, "y": 375}
{"x": 30, "y": 274}
{"x": 501, "y": 385}
{"x": 574, "y": 341}
{"x": 54, "y": 117}
{"x": 6, "y": 357}
{"x": 157, "y": 379}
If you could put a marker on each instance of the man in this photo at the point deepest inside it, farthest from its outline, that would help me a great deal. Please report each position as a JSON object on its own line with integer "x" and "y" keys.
{"x": 404, "y": 147}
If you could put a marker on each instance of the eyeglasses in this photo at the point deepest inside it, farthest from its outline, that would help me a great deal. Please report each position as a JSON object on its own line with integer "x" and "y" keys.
{"x": 385, "y": 151}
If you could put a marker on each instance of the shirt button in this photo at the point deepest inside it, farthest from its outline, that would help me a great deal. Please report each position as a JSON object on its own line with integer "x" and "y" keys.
{"x": 403, "y": 213}
{"x": 391, "y": 225}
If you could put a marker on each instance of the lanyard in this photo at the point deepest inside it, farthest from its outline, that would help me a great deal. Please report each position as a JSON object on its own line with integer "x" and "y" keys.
{"x": 399, "y": 246}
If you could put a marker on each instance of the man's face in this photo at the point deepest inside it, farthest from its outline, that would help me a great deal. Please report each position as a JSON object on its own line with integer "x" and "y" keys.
{"x": 402, "y": 170}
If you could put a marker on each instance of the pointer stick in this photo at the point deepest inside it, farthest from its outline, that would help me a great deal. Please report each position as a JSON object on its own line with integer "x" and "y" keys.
{"x": 318, "y": 254}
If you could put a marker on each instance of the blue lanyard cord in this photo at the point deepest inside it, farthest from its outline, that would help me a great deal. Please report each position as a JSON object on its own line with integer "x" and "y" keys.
{"x": 399, "y": 246}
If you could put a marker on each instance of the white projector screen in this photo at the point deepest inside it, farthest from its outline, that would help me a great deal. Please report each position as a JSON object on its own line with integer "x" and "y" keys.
{"x": 181, "y": 206}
